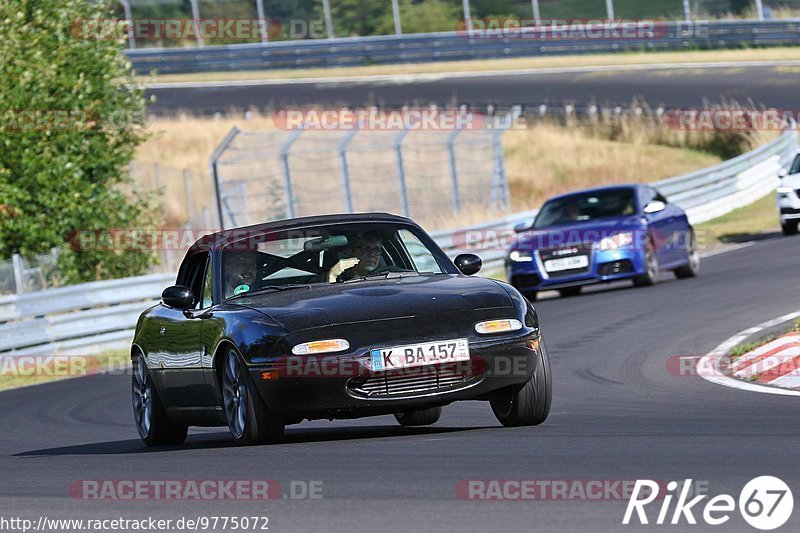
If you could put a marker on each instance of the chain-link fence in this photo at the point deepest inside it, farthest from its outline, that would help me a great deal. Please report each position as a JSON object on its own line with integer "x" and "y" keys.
{"x": 27, "y": 274}
{"x": 430, "y": 176}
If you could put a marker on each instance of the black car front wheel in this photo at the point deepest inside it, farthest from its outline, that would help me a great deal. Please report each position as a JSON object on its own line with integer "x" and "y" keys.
{"x": 152, "y": 422}
{"x": 790, "y": 228}
{"x": 422, "y": 417}
{"x": 528, "y": 404}
{"x": 249, "y": 419}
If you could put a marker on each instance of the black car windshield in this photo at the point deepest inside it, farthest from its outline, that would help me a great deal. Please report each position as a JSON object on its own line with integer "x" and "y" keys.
{"x": 325, "y": 255}
{"x": 586, "y": 207}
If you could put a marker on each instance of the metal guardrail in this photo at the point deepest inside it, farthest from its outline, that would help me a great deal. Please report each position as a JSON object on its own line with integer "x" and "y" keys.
{"x": 100, "y": 314}
{"x": 451, "y": 46}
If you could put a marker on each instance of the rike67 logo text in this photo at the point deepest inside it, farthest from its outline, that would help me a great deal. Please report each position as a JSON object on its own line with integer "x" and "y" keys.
{"x": 766, "y": 503}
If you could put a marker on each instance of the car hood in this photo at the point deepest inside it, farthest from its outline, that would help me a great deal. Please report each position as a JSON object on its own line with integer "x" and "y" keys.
{"x": 374, "y": 300}
{"x": 587, "y": 232}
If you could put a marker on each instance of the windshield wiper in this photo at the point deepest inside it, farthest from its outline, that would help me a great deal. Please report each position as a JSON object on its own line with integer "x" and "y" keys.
{"x": 269, "y": 288}
{"x": 384, "y": 275}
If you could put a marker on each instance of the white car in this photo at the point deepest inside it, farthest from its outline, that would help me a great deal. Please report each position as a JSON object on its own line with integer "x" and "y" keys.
{"x": 789, "y": 197}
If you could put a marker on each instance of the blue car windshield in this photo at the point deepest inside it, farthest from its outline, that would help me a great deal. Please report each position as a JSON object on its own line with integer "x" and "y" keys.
{"x": 586, "y": 207}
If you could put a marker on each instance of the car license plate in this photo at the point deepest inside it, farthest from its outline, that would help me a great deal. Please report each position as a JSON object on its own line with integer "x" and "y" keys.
{"x": 414, "y": 355}
{"x": 566, "y": 263}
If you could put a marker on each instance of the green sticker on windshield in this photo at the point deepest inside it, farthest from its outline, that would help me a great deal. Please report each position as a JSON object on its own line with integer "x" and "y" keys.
{"x": 240, "y": 289}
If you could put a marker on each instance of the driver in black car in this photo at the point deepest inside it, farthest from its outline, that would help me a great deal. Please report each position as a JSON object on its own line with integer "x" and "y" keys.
{"x": 361, "y": 257}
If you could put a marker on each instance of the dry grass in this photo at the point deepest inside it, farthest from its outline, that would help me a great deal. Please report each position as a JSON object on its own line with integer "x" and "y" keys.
{"x": 631, "y": 58}
{"x": 542, "y": 160}
{"x": 547, "y": 160}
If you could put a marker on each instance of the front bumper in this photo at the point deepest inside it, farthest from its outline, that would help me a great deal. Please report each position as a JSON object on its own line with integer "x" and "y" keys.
{"x": 604, "y": 266}
{"x": 345, "y": 387}
{"x": 789, "y": 206}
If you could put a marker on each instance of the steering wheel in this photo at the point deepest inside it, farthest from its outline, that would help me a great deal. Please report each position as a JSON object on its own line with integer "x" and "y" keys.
{"x": 386, "y": 269}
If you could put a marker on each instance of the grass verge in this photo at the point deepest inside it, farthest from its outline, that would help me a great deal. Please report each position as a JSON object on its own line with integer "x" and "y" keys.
{"x": 22, "y": 371}
{"x": 753, "y": 222}
{"x": 488, "y": 65}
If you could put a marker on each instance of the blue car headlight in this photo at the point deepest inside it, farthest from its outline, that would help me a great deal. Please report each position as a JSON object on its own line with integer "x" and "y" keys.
{"x": 520, "y": 257}
{"x": 615, "y": 242}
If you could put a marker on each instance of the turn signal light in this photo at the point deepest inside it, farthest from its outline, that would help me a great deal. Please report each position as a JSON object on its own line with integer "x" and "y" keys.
{"x": 498, "y": 326}
{"x": 326, "y": 346}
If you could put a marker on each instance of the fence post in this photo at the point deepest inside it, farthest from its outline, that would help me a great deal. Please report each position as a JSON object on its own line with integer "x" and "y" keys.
{"x": 687, "y": 10}
{"x": 19, "y": 273}
{"x": 451, "y": 152}
{"x": 348, "y": 195}
{"x": 610, "y": 9}
{"x": 537, "y": 14}
{"x": 398, "y": 28}
{"x": 263, "y": 22}
{"x": 213, "y": 164}
{"x": 196, "y": 17}
{"x": 326, "y": 13}
{"x": 126, "y": 6}
{"x": 287, "y": 174}
{"x": 187, "y": 188}
{"x": 401, "y": 172}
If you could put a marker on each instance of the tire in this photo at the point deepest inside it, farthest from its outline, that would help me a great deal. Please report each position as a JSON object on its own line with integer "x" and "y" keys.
{"x": 570, "y": 292}
{"x": 789, "y": 228}
{"x": 249, "y": 419}
{"x": 422, "y": 417}
{"x": 529, "y": 404}
{"x": 650, "y": 277}
{"x": 692, "y": 268}
{"x": 152, "y": 422}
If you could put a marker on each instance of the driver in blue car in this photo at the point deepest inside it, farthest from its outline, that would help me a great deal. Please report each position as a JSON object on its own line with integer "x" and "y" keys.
{"x": 361, "y": 257}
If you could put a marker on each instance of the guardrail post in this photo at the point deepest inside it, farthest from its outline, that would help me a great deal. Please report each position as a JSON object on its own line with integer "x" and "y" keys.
{"x": 401, "y": 172}
{"x": 451, "y": 153}
{"x": 287, "y": 174}
{"x": 348, "y": 195}
{"x": 214, "y": 167}
{"x": 19, "y": 273}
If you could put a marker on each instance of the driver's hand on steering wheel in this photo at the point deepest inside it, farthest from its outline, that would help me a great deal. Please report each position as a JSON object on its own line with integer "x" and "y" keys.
{"x": 340, "y": 267}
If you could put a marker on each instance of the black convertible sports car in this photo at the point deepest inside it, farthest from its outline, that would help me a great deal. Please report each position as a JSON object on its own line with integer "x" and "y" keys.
{"x": 331, "y": 317}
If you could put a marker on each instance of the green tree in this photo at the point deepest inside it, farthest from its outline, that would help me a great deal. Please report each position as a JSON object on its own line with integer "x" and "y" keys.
{"x": 422, "y": 17}
{"x": 68, "y": 129}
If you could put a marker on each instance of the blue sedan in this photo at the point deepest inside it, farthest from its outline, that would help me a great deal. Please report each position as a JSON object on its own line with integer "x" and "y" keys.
{"x": 602, "y": 235}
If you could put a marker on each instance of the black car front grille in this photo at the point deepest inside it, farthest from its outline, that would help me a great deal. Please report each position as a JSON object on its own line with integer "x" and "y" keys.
{"x": 410, "y": 381}
{"x": 615, "y": 267}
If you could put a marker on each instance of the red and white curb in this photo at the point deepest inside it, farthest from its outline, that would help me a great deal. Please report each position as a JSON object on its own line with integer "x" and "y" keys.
{"x": 774, "y": 365}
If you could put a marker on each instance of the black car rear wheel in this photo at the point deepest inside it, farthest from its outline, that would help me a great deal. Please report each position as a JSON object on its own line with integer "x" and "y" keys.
{"x": 528, "y": 404}
{"x": 249, "y": 420}
{"x": 152, "y": 422}
{"x": 423, "y": 417}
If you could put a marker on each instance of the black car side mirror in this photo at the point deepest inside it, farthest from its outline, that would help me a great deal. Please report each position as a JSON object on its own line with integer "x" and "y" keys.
{"x": 178, "y": 297}
{"x": 468, "y": 264}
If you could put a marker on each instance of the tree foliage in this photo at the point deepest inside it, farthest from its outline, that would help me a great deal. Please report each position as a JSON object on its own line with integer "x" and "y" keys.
{"x": 68, "y": 129}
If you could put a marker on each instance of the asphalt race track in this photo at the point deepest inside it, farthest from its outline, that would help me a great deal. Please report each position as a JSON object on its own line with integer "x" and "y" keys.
{"x": 618, "y": 414}
{"x": 678, "y": 88}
